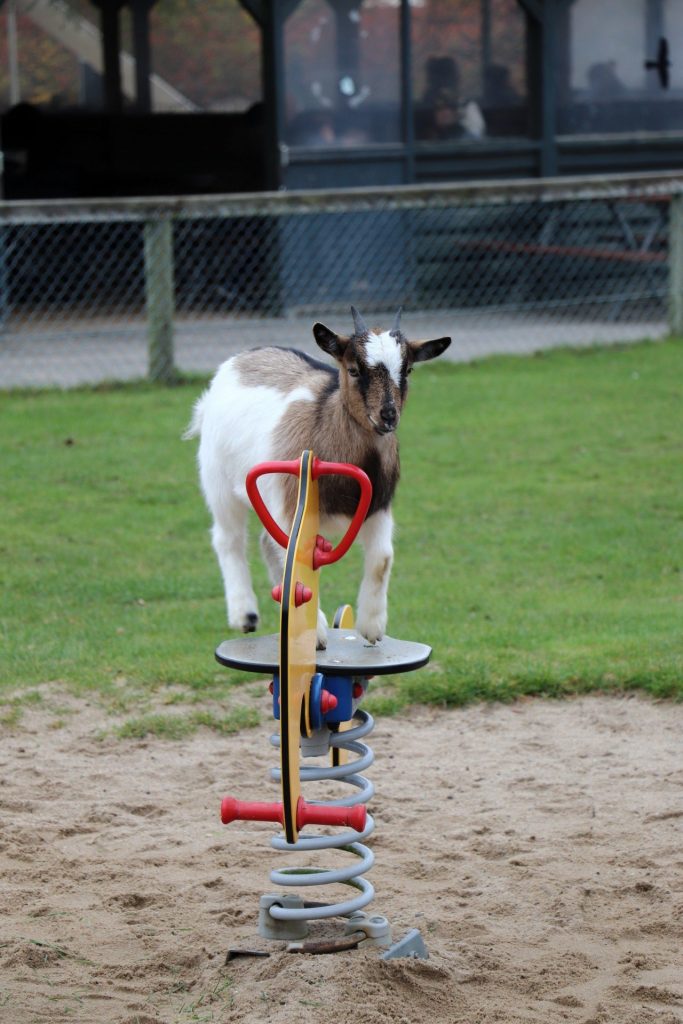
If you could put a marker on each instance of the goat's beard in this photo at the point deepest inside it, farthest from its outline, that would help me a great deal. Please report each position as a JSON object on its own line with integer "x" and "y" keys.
{"x": 380, "y": 429}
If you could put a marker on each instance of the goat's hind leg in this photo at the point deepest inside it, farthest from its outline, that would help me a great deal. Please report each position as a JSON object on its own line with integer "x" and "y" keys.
{"x": 229, "y": 536}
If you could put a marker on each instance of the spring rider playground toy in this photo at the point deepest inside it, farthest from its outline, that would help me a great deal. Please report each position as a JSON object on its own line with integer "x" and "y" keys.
{"x": 316, "y": 699}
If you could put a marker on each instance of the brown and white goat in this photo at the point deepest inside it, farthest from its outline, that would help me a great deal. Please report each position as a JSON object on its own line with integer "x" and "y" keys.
{"x": 272, "y": 404}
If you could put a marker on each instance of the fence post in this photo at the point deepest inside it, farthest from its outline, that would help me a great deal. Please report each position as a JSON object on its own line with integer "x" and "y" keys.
{"x": 159, "y": 294}
{"x": 676, "y": 263}
{"x": 4, "y": 279}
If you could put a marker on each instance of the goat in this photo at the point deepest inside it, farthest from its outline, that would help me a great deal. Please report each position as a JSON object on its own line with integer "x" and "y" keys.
{"x": 272, "y": 404}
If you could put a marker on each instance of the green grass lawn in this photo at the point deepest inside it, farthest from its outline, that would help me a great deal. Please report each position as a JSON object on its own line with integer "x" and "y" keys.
{"x": 539, "y": 544}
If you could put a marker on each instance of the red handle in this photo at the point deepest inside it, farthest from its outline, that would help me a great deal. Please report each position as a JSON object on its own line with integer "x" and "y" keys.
{"x": 306, "y": 814}
{"x": 321, "y": 556}
{"x": 263, "y": 468}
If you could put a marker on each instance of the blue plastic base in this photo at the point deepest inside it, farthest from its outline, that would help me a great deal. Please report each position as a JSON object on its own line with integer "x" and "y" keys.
{"x": 342, "y": 687}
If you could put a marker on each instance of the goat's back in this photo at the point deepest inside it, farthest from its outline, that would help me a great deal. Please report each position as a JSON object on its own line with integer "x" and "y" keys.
{"x": 255, "y": 388}
{"x": 238, "y": 418}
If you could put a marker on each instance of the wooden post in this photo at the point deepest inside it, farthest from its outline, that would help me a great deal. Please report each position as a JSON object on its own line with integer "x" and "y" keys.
{"x": 273, "y": 72}
{"x": 140, "y": 10}
{"x": 111, "y": 55}
{"x": 676, "y": 264}
{"x": 407, "y": 98}
{"x": 159, "y": 294}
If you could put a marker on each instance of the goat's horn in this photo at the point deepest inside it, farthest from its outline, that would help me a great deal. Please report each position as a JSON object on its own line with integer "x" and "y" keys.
{"x": 358, "y": 322}
{"x": 397, "y": 321}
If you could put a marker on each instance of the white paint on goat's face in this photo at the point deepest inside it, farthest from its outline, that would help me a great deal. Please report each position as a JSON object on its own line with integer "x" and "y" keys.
{"x": 384, "y": 349}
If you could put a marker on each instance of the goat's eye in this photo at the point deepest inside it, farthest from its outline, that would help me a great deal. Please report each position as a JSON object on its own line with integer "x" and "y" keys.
{"x": 354, "y": 371}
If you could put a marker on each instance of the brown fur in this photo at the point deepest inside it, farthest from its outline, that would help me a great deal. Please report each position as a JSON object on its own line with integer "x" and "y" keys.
{"x": 382, "y": 570}
{"x": 326, "y": 428}
{"x": 381, "y": 389}
{"x": 351, "y": 418}
{"x": 277, "y": 368}
{"x": 334, "y": 425}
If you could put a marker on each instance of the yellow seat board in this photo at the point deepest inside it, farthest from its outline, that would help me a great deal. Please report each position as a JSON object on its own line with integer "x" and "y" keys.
{"x": 298, "y": 640}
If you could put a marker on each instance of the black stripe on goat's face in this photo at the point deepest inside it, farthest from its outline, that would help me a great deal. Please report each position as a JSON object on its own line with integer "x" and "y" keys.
{"x": 372, "y": 377}
{"x": 374, "y": 366}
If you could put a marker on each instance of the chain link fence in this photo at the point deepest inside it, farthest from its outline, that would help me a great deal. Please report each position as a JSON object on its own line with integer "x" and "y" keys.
{"x": 114, "y": 290}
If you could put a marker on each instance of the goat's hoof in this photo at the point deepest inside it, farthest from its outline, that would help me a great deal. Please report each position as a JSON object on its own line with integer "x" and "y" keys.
{"x": 250, "y": 622}
{"x": 371, "y": 630}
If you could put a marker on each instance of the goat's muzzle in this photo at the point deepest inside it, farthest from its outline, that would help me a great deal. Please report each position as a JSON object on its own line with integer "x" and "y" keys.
{"x": 388, "y": 418}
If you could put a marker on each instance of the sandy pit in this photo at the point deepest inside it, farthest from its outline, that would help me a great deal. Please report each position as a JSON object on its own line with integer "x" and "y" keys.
{"x": 537, "y": 847}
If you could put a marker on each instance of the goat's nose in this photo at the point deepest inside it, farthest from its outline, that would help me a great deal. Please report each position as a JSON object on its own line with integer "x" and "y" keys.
{"x": 389, "y": 415}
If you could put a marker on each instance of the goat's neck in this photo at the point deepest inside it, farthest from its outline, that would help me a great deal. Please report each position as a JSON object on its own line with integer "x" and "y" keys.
{"x": 347, "y": 440}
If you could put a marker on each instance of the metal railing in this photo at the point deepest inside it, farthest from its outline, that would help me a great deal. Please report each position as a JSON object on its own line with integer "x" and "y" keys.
{"x": 115, "y": 289}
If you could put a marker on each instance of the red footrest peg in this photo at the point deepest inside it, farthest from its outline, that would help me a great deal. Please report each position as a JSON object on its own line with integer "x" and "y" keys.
{"x": 306, "y": 814}
{"x": 315, "y": 814}
{"x": 328, "y": 701}
{"x": 302, "y": 594}
{"x": 249, "y": 810}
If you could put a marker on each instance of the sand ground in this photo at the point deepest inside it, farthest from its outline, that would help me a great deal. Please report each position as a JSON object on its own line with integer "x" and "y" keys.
{"x": 537, "y": 847}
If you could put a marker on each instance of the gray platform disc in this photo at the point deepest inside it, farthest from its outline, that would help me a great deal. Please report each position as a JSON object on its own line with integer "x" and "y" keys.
{"x": 348, "y": 653}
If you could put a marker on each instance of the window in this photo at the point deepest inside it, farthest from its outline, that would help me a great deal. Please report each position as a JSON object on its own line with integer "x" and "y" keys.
{"x": 205, "y": 56}
{"x": 604, "y": 85}
{"x": 342, "y": 73}
{"x": 469, "y": 69}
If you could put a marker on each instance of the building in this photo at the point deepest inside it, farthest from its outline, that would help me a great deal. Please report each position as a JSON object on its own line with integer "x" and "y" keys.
{"x": 267, "y": 94}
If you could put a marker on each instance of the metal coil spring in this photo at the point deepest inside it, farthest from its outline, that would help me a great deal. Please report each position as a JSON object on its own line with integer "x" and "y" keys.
{"x": 349, "y": 841}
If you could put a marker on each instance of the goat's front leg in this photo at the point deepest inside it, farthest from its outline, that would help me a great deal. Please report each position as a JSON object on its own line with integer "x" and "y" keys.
{"x": 376, "y": 536}
{"x": 274, "y": 557}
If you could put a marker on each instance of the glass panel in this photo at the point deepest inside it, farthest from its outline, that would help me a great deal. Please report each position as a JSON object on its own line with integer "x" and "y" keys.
{"x": 205, "y": 56}
{"x": 56, "y": 134}
{"x": 34, "y": 67}
{"x": 208, "y": 51}
{"x": 342, "y": 73}
{"x": 469, "y": 69}
{"x": 605, "y": 86}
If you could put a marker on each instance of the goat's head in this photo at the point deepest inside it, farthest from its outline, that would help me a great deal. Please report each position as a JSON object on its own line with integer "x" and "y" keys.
{"x": 374, "y": 368}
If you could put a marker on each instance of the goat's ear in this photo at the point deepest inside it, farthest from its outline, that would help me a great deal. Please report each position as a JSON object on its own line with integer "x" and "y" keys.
{"x": 421, "y": 351}
{"x": 330, "y": 342}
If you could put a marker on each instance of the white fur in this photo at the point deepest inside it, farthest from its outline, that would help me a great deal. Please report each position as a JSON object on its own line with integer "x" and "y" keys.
{"x": 236, "y": 424}
{"x": 384, "y": 349}
{"x": 376, "y": 536}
